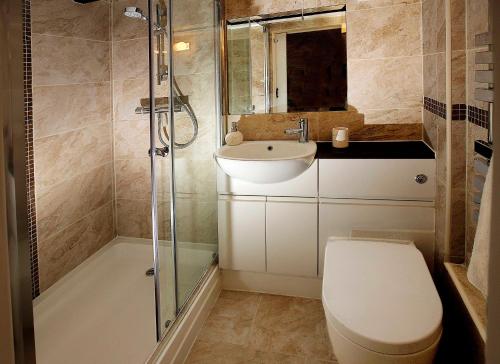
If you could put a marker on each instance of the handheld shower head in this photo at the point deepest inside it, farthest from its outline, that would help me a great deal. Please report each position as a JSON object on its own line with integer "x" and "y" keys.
{"x": 134, "y": 12}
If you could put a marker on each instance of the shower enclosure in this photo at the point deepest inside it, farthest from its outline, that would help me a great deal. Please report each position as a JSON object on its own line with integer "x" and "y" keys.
{"x": 119, "y": 150}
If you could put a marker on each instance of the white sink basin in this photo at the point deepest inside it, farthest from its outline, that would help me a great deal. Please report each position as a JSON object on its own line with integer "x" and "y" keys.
{"x": 266, "y": 161}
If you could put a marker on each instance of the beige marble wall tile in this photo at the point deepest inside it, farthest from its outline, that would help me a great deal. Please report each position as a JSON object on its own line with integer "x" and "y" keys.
{"x": 64, "y": 250}
{"x": 389, "y": 132}
{"x": 441, "y": 76}
{"x": 363, "y": 4}
{"x": 190, "y": 14}
{"x": 458, "y": 25}
{"x": 393, "y": 83}
{"x": 69, "y": 19}
{"x": 134, "y": 219}
{"x": 62, "y": 60}
{"x": 272, "y": 126}
{"x": 458, "y": 74}
{"x": 441, "y": 166}
{"x": 384, "y": 32}
{"x": 127, "y": 28}
{"x": 440, "y": 221}
{"x": 457, "y": 237}
{"x": 329, "y": 120}
{"x": 200, "y": 56}
{"x": 63, "y": 156}
{"x": 458, "y": 165}
{"x": 476, "y": 20}
{"x": 430, "y": 129}
{"x": 59, "y": 109}
{"x": 64, "y": 203}
{"x": 430, "y": 75}
{"x": 133, "y": 179}
{"x": 131, "y": 139}
{"x": 130, "y": 59}
{"x": 246, "y": 8}
{"x": 127, "y": 95}
{"x": 433, "y": 26}
{"x": 393, "y": 116}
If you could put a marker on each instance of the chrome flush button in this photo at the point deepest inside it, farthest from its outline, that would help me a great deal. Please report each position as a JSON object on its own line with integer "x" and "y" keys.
{"x": 421, "y": 179}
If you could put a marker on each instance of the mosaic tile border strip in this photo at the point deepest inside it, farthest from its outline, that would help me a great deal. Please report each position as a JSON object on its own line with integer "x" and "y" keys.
{"x": 474, "y": 114}
{"x": 436, "y": 107}
{"x": 478, "y": 116}
{"x": 30, "y": 172}
{"x": 459, "y": 112}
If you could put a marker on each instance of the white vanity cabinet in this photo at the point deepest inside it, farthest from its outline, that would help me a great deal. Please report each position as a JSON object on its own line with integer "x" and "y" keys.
{"x": 292, "y": 236}
{"x": 273, "y": 236}
{"x": 271, "y": 227}
{"x": 242, "y": 233}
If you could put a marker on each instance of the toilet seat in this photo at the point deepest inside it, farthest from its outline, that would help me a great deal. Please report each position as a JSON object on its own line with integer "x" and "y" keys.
{"x": 380, "y": 295}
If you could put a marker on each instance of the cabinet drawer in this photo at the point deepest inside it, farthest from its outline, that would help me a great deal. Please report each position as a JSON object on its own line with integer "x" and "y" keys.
{"x": 392, "y": 179}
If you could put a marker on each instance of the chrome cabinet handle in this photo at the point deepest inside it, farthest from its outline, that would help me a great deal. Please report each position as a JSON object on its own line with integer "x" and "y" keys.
{"x": 421, "y": 179}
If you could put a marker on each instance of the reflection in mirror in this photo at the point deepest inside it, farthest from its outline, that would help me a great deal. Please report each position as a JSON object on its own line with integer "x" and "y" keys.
{"x": 287, "y": 63}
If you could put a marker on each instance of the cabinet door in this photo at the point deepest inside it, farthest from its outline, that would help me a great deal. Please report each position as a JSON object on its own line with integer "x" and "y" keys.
{"x": 242, "y": 239}
{"x": 292, "y": 236}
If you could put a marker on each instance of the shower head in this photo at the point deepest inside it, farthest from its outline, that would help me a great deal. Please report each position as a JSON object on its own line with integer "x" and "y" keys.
{"x": 134, "y": 12}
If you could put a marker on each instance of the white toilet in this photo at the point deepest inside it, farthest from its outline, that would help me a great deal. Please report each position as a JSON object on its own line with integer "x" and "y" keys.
{"x": 380, "y": 302}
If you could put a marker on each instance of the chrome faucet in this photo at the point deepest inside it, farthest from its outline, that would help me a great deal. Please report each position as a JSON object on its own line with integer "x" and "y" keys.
{"x": 303, "y": 131}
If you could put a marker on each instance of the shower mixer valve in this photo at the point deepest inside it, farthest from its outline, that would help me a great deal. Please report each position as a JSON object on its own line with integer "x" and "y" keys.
{"x": 160, "y": 152}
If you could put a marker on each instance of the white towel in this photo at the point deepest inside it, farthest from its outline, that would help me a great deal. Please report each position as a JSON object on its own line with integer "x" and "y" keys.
{"x": 478, "y": 266}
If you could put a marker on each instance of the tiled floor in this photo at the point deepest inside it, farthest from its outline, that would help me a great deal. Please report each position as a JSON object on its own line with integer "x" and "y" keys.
{"x": 248, "y": 327}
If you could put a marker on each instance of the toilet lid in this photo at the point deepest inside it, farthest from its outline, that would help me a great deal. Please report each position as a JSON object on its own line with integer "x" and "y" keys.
{"x": 381, "y": 296}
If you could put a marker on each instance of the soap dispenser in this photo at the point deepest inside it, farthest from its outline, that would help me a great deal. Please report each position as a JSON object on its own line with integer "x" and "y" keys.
{"x": 235, "y": 137}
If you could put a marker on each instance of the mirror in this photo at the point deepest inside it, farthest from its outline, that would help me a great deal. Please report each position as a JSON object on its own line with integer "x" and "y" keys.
{"x": 287, "y": 62}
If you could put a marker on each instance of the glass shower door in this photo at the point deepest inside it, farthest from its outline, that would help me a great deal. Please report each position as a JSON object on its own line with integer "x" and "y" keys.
{"x": 195, "y": 128}
{"x": 184, "y": 135}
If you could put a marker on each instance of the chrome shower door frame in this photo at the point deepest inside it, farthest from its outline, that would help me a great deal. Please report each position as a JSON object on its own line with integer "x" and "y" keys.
{"x": 152, "y": 155}
{"x": 168, "y": 32}
{"x": 153, "y": 77}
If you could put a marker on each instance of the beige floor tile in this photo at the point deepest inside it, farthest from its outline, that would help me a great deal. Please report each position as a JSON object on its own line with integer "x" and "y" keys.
{"x": 291, "y": 325}
{"x": 225, "y": 353}
{"x": 231, "y": 319}
{"x": 316, "y": 361}
{"x": 237, "y": 304}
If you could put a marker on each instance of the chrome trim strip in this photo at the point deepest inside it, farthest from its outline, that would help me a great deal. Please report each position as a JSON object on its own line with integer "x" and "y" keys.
{"x": 152, "y": 145}
{"x": 218, "y": 40}
{"x": 171, "y": 131}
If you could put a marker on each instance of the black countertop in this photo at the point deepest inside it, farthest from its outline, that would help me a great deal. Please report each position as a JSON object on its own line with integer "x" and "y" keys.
{"x": 376, "y": 150}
